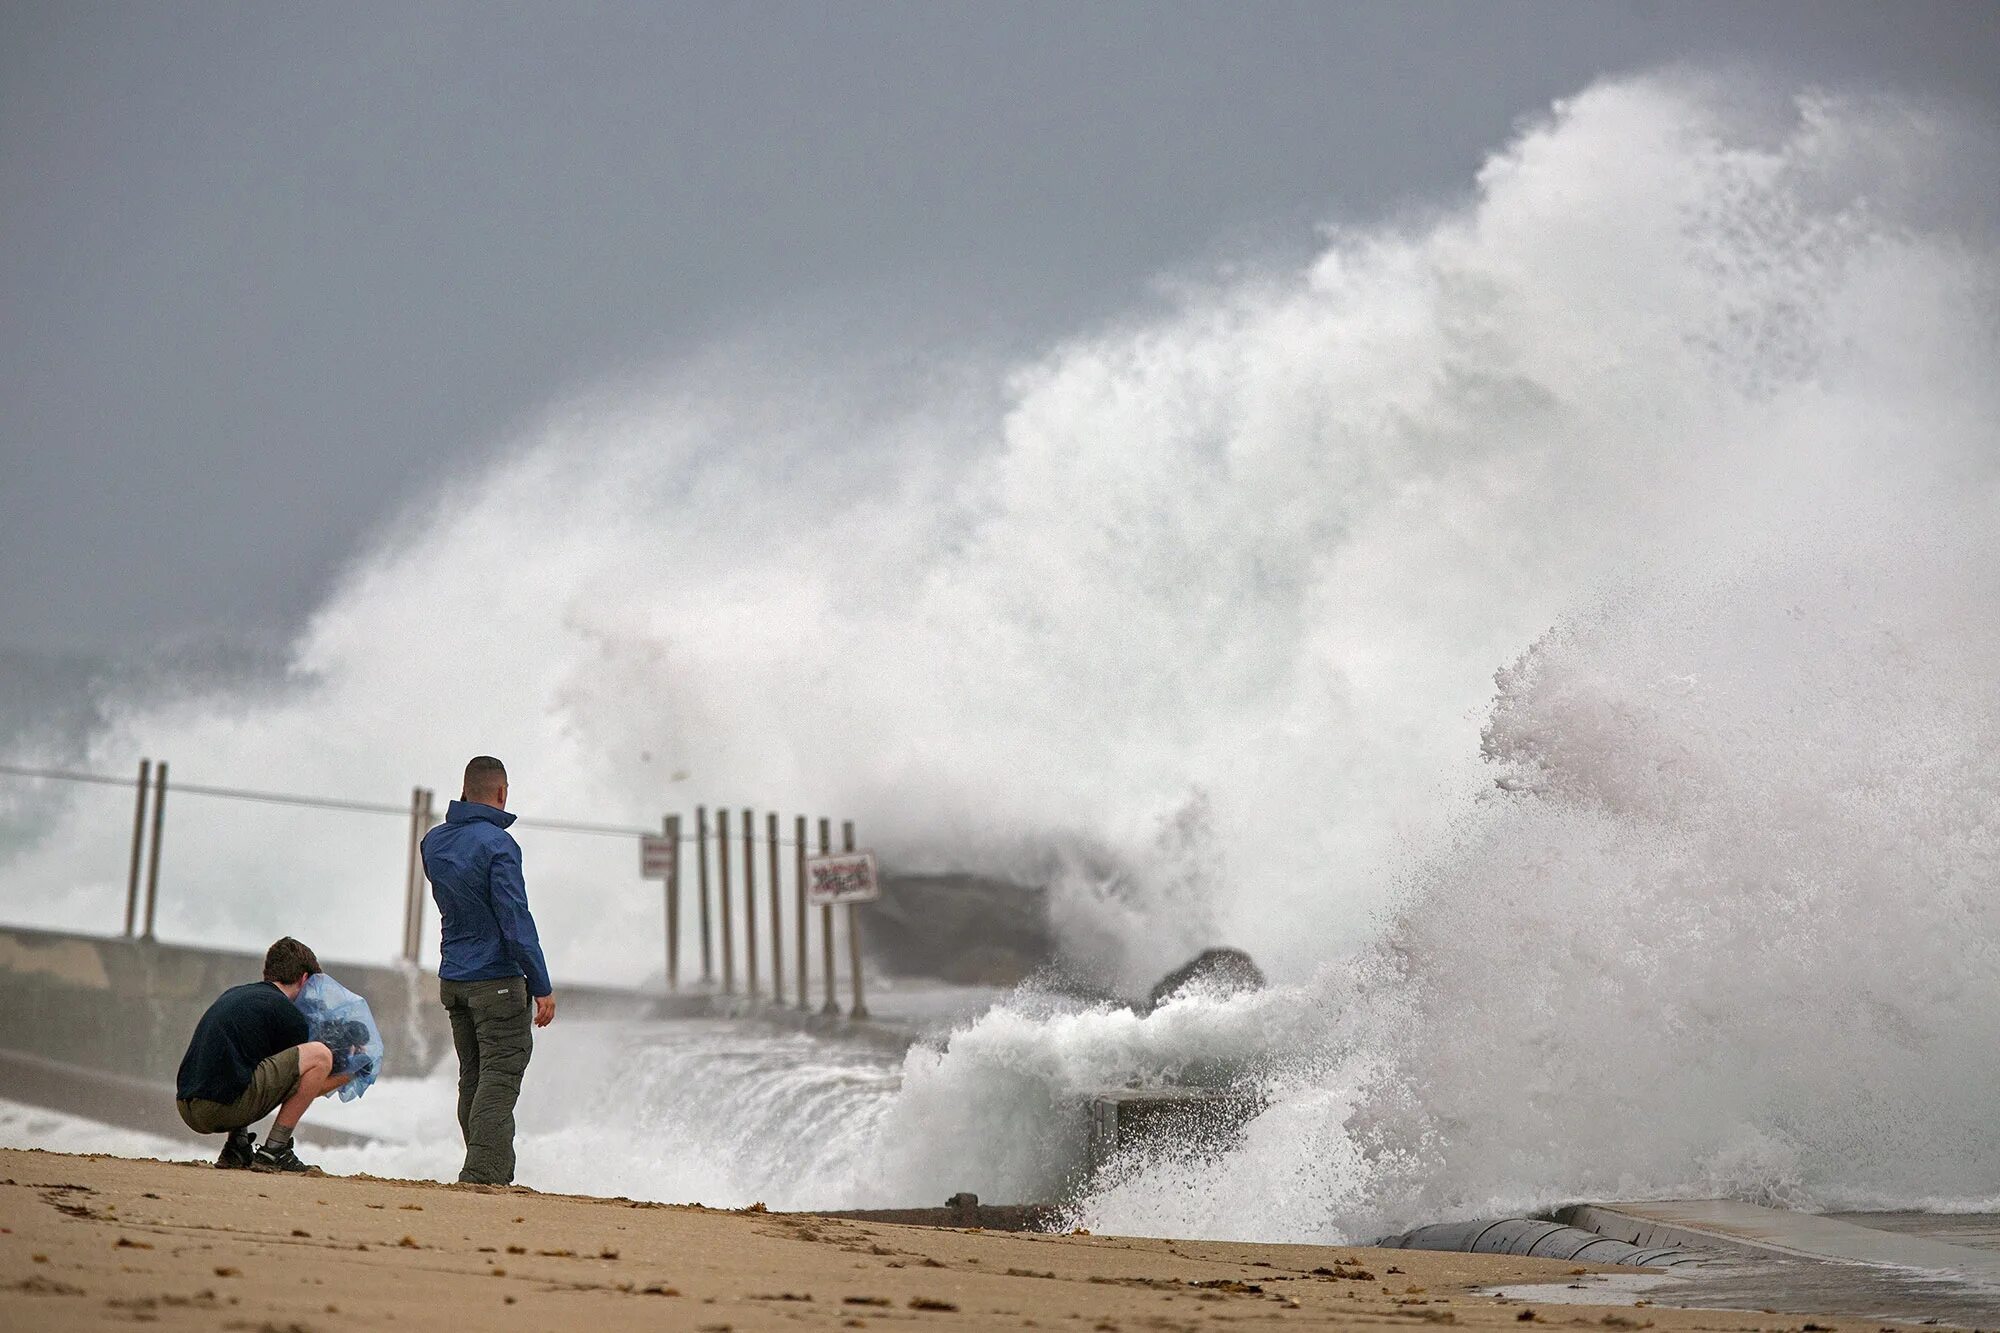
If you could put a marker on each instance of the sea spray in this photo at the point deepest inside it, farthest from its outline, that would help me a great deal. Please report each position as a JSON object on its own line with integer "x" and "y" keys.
{"x": 1003, "y": 1111}
{"x": 722, "y": 1113}
{"x": 1262, "y": 553}
{"x": 1724, "y": 927}
{"x": 1205, "y": 615}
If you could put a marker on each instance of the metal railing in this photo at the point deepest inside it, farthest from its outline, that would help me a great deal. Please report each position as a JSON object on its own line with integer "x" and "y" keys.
{"x": 150, "y": 788}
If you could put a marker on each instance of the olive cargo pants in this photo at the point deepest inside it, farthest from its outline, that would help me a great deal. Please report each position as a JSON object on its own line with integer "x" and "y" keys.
{"x": 490, "y": 1027}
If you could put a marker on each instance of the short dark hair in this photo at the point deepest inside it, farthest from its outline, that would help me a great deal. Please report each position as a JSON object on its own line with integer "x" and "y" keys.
{"x": 288, "y": 961}
{"x": 484, "y": 774}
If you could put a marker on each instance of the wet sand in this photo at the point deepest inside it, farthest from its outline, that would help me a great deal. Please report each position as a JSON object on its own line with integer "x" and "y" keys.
{"x": 103, "y": 1242}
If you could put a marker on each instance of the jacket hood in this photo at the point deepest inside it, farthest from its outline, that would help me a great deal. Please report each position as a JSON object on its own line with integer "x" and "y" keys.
{"x": 471, "y": 812}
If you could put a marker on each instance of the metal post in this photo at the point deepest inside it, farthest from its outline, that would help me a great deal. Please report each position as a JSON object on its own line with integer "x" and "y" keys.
{"x": 799, "y": 894}
{"x": 777, "y": 917}
{"x": 722, "y": 896}
{"x": 860, "y": 1006}
{"x": 701, "y": 884}
{"x": 413, "y": 870}
{"x": 427, "y": 819}
{"x": 750, "y": 904}
{"x": 832, "y": 1005}
{"x": 431, "y": 820}
{"x": 671, "y": 826}
{"x": 153, "y": 859}
{"x": 138, "y": 846}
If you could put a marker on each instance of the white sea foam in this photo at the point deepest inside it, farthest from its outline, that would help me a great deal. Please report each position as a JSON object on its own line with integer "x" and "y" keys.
{"x": 726, "y": 1114}
{"x": 53, "y": 1131}
{"x": 1684, "y": 421}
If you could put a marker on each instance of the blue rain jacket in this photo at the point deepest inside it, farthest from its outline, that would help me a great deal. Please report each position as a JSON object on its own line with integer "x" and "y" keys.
{"x": 474, "y": 866}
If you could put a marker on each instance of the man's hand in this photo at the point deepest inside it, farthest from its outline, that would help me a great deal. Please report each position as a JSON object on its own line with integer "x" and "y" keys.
{"x": 545, "y": 1009}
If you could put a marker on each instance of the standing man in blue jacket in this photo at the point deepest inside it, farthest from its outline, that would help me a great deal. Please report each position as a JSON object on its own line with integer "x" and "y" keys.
{"x": 491, "y": 975}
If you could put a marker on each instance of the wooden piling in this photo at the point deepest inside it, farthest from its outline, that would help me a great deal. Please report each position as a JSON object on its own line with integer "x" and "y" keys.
{"x": 832, "y": 1005}
{"x": 799, "y": 906}
{"x": 671, "y": 826}
{"x": 750, "y": 904}
{"x": 722, "y": 896}
{"x": 860, "y": 1007}
{"x": 777, "y": 916}
{"x": 701, "y": 884}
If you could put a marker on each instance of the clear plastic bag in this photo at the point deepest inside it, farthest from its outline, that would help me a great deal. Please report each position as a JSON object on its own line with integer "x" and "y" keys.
{"x": 340, "y": 1018}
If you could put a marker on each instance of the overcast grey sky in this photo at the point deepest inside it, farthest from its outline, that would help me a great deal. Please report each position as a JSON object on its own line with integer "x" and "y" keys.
{"x": 268, "y": 270}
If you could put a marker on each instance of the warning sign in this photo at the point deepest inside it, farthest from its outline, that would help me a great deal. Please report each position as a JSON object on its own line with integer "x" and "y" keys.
{"x": 656, "y": 857}
{"x": 847, "y": 878}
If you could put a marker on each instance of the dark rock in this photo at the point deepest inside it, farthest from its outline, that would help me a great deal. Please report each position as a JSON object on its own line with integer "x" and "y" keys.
{"x": 1224, "y": 971}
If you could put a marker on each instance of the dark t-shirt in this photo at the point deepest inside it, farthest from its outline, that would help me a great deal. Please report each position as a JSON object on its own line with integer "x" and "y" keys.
{"x": 246, "y": 1026}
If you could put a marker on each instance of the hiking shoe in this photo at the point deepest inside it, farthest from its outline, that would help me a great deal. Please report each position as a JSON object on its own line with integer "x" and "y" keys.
{"x": 236, "y": 1153}
{"x": 283, "y": 1159}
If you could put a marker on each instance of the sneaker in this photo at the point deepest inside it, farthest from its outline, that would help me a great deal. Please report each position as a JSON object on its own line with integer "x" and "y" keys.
{"x": 236, "y": 1153}
{"x": 281, "y": 1159}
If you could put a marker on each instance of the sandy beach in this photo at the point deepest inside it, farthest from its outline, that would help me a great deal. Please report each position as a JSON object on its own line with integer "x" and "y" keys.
{"x": 104, "y": 1242}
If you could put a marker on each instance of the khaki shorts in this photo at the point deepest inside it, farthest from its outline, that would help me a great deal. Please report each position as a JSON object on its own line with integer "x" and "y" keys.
{"x": 272, "y": 1082}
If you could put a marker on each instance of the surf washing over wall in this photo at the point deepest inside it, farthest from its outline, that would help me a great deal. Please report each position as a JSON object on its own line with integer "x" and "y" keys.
{"x": 1684, "y": 422}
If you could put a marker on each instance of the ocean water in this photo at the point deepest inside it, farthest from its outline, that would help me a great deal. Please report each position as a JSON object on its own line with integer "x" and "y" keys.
{"x": 703, "y": 1112}
{"x": 1554, "y": 633}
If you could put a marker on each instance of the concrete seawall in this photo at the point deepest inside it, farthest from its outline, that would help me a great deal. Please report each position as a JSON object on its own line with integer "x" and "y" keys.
{"x": 96, "y": 1026}
{"x": 127, "y": 1006}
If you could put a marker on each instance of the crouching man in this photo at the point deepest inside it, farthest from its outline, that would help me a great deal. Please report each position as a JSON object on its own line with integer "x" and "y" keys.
{"x": 249, "y": 1056}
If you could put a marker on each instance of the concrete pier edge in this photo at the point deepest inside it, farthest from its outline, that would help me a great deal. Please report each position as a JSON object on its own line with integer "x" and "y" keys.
{"x": 1732, "y": 1225}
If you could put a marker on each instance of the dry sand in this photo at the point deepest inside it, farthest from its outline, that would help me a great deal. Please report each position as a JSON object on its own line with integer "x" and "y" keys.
{"x": 104, "y": 1242}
